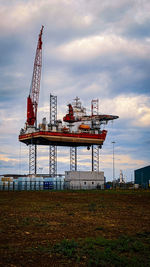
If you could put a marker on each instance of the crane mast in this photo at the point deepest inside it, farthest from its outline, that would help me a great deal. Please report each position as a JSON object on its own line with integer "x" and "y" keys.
{"x": 33, "y": 98}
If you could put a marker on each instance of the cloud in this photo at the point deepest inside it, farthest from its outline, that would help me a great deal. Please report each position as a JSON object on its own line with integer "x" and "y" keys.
{"x": 15, "y": 15}
{"x": 7, "y": 159}
{"x": 121, "y": 161}
{"x": 19, "y": 15}
{"x": 64, "y": 18}
{"x": 144, "y": 116}
{"x": 134, "y": 108}
{"x": 89, "y": 48}
{"x": 10, "y": 121}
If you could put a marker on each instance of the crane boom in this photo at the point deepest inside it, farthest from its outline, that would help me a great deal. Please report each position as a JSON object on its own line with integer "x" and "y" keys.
{"x": 33, "y": 98}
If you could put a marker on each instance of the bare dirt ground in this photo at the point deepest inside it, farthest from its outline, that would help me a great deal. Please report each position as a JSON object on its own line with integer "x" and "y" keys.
{"x": 66, "y": 228}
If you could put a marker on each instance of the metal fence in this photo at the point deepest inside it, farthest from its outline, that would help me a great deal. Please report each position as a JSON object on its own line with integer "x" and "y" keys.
{"x": 31, "y": 185}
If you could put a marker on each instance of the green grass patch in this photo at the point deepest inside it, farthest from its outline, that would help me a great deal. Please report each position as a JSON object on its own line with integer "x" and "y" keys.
{"x": 99, "y": 251}
{"x": 67, "y": 248}
{"x": 124, "y": 251}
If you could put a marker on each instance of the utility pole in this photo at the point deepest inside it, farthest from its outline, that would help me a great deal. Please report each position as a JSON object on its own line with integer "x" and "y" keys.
{"x": 113, "y": 161}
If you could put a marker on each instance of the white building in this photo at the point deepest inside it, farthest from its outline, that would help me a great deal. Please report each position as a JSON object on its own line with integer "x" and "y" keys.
{"x": 84, "y": 180}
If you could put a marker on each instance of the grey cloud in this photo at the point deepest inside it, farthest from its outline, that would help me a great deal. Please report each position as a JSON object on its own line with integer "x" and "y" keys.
{"x": 128, "y": 76}
{"x": 9, "y": 47}
{"x": 7, "y": 166}
{"x": 138, "y": 30}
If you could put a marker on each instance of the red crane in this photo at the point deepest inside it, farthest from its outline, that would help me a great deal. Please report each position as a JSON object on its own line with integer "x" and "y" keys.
{"x": 69, "y": 117}
{"x": 33, "y": 98}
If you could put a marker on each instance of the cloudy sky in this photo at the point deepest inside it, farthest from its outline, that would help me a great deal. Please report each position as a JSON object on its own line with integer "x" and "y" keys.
{"x": 91, "y": 49}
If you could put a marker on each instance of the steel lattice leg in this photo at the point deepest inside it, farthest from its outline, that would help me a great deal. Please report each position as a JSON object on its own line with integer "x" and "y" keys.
{"x": 52, "y": 148}
{"x": 53, "y": 160}
{"x": 95, "y": 158}
{"x": 53, "y": 109}
{"x": 73, "y": 158}
{"x": 32, "y": 158}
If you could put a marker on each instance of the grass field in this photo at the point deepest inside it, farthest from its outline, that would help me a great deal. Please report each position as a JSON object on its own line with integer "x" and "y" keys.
{"x": 75, "y": 228}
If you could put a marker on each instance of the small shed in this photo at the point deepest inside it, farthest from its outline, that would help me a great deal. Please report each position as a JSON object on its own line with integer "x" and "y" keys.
{"x": 84, "y": 180}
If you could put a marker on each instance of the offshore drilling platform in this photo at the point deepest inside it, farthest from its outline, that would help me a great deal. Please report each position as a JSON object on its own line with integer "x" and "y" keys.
{"x": 75, "y": 130}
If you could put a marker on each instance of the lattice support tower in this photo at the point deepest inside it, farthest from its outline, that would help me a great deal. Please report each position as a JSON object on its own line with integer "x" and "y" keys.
{"x": 95, "y": 158}
{"x": 53, "y": 160}
{"x": 95, "y": 148}
{"x": 94, "y": 107}
{"x": 32, "y": 159}
{"x": 73, "y": 158}
{"x": 53, "y": 109}
{"x": 53, "y": 148}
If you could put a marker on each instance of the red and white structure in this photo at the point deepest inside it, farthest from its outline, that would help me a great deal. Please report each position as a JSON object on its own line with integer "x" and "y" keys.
{"x": 77, "y": 128}
{"x": 33, "y": 98}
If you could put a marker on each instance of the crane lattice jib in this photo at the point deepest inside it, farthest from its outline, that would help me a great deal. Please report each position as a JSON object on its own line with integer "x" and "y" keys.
{"x": 36, "y": 77}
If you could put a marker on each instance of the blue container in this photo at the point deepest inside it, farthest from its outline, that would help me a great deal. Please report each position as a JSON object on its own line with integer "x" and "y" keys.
{"x": 15, "y": 184}
{"x": 59, "y": 183}
{"x": 48, "y": 185}
{"x": 108, "y": 186}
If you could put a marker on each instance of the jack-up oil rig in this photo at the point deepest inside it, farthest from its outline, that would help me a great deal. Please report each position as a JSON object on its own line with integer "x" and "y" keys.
{"x": 77, "y": 129}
